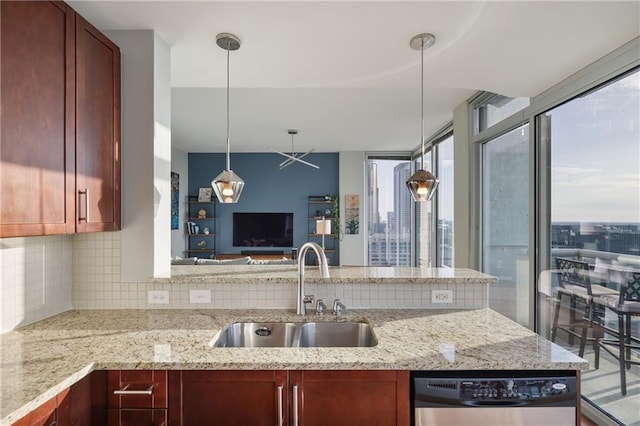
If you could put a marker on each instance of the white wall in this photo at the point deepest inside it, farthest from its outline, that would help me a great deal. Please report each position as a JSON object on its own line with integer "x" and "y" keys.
{"x": 461, "y": 186}
{"x": 146, "y": 155}
{"x": 352, "y": 180}
{"x": 180, "y": 165}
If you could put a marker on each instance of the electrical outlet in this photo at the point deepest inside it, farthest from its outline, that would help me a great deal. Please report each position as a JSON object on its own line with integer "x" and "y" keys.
{"x": 155, "y": 297}
{"x": 199, "y": 296}
{"x": 441, "y": 296}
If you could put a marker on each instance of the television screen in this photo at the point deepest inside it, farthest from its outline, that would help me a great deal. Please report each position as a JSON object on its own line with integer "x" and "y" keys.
{"x": 263, "y": 229}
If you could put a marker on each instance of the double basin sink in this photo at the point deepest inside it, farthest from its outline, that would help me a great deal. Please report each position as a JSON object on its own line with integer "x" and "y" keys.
{"x": 296, "y": 335}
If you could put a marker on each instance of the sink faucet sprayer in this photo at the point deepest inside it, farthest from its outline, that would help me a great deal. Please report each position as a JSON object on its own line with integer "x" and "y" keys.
{"x": 302, "y": 299}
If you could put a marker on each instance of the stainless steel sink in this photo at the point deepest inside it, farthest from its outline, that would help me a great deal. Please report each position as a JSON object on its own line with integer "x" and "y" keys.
{"x": 296, "y": 334}
{"x": 257, "y": 335}
{"x": 336, "y": 334}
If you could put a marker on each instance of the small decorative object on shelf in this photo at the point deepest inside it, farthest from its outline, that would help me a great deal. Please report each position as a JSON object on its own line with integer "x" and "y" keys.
{"x": 204, "y": 195}
{"x": 206, "y": 231}
{"x": 202, "y": 214}
{"x": 202, "y": 244}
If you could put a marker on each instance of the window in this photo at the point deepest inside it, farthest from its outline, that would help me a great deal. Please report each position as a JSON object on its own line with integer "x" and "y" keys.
{"x": 505, "y": 222}
{"x": 389, "y": 211}
{"x": 593, "y": 163}
{"x": 445, "y": 202}
{"x": 491, "y": 109}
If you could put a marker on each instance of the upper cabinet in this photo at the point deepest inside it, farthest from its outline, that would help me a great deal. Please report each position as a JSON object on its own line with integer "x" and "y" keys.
{"x": 59, "y": 123}
{"x": 97, "y": 130}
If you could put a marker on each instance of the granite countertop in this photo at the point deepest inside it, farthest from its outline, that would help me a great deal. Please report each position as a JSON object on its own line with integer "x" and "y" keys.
{"x": 339, "y": 274}
{"x": 42, "y": 359}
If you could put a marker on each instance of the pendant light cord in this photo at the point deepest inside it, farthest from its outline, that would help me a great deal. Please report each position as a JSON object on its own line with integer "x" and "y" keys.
{"x": 228, "y": 144}
{"x": 421, "y": 103}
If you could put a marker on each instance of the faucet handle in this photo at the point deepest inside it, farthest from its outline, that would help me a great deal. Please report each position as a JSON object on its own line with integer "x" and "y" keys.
{"x": 308, "y": 298}
{"x": 338, "y": 307}
{"x": 320, "y": 307}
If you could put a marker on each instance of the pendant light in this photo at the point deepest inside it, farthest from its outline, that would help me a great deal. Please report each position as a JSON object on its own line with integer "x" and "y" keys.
{"x": 228, "y": 185}
{"x": 422, "y": 184}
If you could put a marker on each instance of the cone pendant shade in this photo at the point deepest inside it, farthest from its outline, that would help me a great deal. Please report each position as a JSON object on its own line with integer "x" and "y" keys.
{"x": 422, "y": 185}
{"x": 227, "y": 186}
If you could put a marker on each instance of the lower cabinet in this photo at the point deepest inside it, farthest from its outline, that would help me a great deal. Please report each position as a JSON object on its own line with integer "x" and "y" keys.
{"x": 82, "y": 404}
{"x": 350, "y": 397}
{"x": 303, "y": 398}
{"x": 137, "y": 397}
{"x": 242, "y": 397}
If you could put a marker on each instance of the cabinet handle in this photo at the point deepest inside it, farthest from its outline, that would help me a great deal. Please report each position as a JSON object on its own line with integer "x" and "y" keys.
{"x": 86, "y": 205}
{"x": 295, "y": 405}
{"x": 280, "y": 417}
{"x": 125, "y": 391}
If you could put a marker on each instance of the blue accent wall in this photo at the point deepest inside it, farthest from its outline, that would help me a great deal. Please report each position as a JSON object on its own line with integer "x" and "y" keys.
{"x": 266, "y": 189}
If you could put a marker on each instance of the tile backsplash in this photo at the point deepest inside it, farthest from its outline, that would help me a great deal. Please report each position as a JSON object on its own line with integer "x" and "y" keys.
{"x": 36, "y": 279}
{"x": 38, "y": 272}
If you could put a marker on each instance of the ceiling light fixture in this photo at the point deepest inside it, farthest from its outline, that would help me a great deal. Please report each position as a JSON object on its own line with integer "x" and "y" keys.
{"x": 422, "y": 184}
{"x": 293, "y": 157}
{"x": 227, "y": 185}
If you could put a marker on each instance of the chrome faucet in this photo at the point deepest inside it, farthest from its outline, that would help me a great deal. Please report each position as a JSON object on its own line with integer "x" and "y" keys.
{"x": 338, "y": 307}
{"x": 302, "y": 299}
{"x": 320, "y": 307}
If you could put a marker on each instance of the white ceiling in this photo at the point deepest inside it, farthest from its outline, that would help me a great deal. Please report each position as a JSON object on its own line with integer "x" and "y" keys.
{"x": 343, "y": 74}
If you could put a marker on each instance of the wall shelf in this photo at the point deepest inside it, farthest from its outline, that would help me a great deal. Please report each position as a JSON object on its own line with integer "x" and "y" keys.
{"x": 196, "y": 224}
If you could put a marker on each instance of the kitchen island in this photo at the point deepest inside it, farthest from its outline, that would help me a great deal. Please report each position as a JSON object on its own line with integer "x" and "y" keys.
{"x": 43, "y": 359}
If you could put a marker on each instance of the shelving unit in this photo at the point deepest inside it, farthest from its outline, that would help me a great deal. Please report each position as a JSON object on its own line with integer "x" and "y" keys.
{"x": 317, "y": 207}
{"x": 198, "y": 242}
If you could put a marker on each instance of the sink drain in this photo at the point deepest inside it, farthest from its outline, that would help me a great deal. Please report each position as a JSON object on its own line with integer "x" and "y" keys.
{"x": 263, "y": 332}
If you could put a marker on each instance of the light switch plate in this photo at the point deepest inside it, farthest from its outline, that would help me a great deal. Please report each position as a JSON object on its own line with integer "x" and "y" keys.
{"x": 441, "y": 296}
{"x": 199, "y": 296}
{"x": 157, "y": 297}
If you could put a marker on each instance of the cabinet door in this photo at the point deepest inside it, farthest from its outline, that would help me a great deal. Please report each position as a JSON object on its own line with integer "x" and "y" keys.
{"x": 350, "y": 397}
{"x": 141, "y": 417}
{"x": 98, "y": 130}
{"x": 44, "y": 415}
{"x": 85, "y": 402}
{"x": 37, "y": 74}
{"x": 137, "y": 389}
{"x": 233, "y": 398}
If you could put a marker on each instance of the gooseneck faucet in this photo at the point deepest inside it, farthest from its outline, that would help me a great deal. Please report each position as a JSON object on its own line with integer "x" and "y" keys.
{"x": 302, "y": 299}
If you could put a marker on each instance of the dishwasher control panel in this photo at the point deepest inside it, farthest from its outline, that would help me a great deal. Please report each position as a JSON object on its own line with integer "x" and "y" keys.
{"x": 491, "y": 391}
{"x": 512, "y": 389}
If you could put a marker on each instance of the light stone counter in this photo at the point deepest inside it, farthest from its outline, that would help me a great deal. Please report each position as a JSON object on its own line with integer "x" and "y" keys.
{"x": 40, "y": 360}
{"x": 339, "y": 275}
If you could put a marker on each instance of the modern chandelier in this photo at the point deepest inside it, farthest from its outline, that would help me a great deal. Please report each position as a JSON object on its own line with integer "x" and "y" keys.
{"x": 227, "y": 185}
{"x": 293, "y": 157}
{"x": 422, "y": 184}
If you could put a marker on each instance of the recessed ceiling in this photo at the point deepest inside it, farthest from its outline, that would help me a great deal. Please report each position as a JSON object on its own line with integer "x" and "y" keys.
{"x": 343, "y": 74}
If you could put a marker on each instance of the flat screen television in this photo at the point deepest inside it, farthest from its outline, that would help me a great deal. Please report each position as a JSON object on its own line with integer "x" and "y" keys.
{"x": 263, "y": 229}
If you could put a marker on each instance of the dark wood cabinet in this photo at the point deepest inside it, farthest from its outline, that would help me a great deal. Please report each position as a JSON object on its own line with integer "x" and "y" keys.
{"x": 350, "y": 397}
{"x": 137, "y": 397}
{"x": 229, "y": 398}
{"x": 59, "y": 124}
{"x": 97, "y": 130}
{"x": 282, "y": 397}
{"x": 82, "y": 404}
{"x": 37, "y": 123}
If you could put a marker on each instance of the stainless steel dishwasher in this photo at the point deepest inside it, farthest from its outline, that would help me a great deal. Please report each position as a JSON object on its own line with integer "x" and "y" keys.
{"x": 494, "y": 398}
